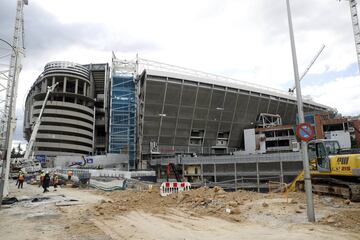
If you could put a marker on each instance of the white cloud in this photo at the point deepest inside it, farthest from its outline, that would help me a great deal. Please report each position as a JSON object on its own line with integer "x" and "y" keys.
{"x": 342, "y": 93}
{"x": 247, "y": 39}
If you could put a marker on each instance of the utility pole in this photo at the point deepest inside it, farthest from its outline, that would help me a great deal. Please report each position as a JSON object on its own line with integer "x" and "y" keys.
{"x": 307, "y": 179}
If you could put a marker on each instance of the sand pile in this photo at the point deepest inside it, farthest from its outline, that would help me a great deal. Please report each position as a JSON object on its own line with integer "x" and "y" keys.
{"x": 198, "y": 202}
{"x": 236, "y": 206}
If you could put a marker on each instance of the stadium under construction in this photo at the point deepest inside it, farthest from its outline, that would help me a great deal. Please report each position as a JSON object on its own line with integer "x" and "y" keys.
{"x": 146, "y": 114}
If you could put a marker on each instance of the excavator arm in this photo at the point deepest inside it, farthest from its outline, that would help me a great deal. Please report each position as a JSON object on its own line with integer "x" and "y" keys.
{"x": 299, "y": 177}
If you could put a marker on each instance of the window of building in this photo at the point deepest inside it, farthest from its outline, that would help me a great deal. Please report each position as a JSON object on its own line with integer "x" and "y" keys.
{"x": 81, "y": 87}
{"x": 70, "y": 85}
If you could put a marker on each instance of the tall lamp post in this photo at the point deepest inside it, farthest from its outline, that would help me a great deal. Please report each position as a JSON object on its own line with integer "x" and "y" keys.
{"x": 9, "y": 131}
{"x": 307, "y": 179}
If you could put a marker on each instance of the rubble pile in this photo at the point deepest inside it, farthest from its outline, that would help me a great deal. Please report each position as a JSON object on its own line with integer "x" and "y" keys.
{"x": 198, "y": 202}
{"x": 236, "y": 206}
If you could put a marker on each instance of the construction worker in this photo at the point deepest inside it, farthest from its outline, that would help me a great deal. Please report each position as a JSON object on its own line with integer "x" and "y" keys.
{"x": 17, "y": 179}
{"x": 21, "y": 179}
{"x": 55, "y": 181}
{"x": 69, "y": 174}
{"x": 46, "y": 182}
{"x": 42, "y": 175}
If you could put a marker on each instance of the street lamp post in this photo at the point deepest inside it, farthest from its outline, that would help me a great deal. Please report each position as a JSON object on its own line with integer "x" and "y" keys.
{"x": 307, "y": 179}
{"x": 8, "y": 139}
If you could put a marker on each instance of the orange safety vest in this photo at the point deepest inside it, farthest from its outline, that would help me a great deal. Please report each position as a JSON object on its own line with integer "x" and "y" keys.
{"x": 56, "y": 179}
{"x": 42, "y": 175}
{"x": 21, "y": 177}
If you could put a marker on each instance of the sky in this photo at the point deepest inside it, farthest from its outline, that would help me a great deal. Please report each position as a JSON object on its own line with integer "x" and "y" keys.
{"x": 246, "y": 40}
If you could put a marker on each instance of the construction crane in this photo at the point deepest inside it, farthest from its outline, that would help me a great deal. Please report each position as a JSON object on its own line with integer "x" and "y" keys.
{"x": 29, "y": 148}
{"x": 28, "y": 163}
{"x": 291, "y": 90}
{"x": 7, "y": 118}
{"x": 356, "y": 29}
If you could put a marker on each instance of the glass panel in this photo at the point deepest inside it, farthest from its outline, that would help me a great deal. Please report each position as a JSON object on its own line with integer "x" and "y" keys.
{"x": 123, "y": 121}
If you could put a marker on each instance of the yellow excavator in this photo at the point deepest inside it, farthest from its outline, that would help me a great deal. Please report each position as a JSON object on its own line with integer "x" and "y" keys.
{"x": 333, "y": 170}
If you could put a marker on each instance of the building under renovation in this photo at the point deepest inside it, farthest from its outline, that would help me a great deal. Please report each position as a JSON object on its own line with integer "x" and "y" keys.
{"x": 75, "y": 120}
{"x": 152, "y": 113}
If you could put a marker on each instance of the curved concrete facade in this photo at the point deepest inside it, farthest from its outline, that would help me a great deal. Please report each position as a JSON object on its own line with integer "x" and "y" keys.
{"x": 67, "y": 126}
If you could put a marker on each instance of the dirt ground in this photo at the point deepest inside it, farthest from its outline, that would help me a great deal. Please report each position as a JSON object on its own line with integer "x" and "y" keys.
{"x": 198, "y": 214}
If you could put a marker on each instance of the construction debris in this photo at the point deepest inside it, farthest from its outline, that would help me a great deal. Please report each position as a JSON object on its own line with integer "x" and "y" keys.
{"x": 133, "y": 213}
{"x": 108, "y": 186}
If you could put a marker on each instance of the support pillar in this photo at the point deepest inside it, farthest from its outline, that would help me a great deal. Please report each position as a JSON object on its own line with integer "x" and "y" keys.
{"x": 202, "y": 174}
{"x": 235, "y": 176}
{"x": 183, "y": 172}
{"x": 76, "y": 85}
{"x": 257, "y": 175}
{"x": 215, "y": 172}
{"x": 65, "y": 81}
{"x": 281, "y": 173}
{"x": 85, "y": 88}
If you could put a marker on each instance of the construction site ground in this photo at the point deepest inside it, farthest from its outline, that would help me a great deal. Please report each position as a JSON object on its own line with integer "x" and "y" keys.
{"x": 140, "y": 213}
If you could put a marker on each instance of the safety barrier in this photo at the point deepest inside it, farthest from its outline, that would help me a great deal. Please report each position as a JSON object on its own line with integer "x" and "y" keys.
{"x": 168, "y": 188}
{"x": 104, "y": 172}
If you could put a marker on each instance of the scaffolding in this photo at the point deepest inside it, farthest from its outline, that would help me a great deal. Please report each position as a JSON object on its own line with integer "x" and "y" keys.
{"x": 122, "y": 136}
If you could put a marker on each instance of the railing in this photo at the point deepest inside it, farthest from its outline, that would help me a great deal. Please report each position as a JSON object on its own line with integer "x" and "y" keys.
{"x": 105, "y": 173}
{"x": 271, "y": 157}
{"x": 259, "y": 183}
{"x": 150, "y": 64}
{"x": 76, "y": 68}
{"x": 228, "y": 159}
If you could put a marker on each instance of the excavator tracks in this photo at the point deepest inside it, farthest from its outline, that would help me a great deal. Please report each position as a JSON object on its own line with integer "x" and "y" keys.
{"x": 336, "y": 187}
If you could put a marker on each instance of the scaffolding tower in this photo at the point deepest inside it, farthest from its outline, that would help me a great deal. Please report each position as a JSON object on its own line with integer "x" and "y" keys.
{"x": 9, "y": 84}
{"x": 122, "y": 134}
{"x": 356, "y": 29}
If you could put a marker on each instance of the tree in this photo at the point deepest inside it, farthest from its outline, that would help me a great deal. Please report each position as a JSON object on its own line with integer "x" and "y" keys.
{"x": 19, "y": 149}
{"x": 13, "y": 153}
{"x": 17, "y": 152}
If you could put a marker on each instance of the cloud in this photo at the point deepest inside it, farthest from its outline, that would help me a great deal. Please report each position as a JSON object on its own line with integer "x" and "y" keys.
{"x": 247, "y": 39}
{"x": 342, "y": 93}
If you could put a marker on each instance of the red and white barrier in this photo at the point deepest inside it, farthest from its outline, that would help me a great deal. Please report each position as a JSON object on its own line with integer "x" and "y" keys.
{"x": 168, "y": 188}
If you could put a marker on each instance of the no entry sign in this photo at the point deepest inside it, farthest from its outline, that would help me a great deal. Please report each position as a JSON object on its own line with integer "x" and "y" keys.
{"x": 305, "y": 132}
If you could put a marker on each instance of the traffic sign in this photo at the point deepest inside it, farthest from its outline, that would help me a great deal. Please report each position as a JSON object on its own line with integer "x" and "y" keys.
{"x": 90, "y": 160}
{"x": 305, "y": 132}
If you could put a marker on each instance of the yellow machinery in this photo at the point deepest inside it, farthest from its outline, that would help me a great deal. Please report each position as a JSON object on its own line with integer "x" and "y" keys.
{"x": 333, "y": 170}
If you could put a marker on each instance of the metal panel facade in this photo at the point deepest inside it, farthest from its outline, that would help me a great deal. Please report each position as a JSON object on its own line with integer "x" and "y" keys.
{"x": 187, "y": 116}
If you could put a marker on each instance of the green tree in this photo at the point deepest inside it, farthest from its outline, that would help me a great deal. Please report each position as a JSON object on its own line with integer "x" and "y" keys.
{"x": 13, "y": 153}
{"x": 20, "y": 152}
{"x": 17, "y": 152}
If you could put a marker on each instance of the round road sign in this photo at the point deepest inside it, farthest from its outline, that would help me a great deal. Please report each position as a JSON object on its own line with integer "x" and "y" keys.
{"x": 305, "y": 132}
